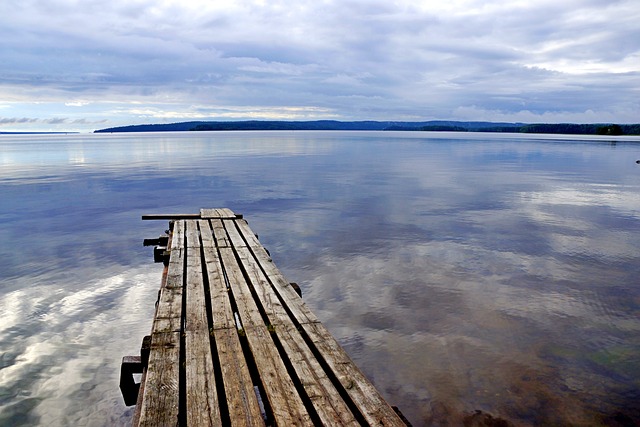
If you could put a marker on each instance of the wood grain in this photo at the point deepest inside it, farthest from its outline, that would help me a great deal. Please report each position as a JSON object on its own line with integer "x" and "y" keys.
{"x": 201, "y": 394}
{"x": 218, "y": 271}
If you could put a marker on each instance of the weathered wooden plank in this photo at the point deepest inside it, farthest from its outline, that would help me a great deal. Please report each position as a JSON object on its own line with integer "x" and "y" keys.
{"x": 373, "y": 407}
{"x": 206, "y": 234}
{"x": 280, "y": 284}
{"x": 169, "y": 311}
{"x": 285, "y": 401}
{"x": 160, "y": 403}
{"x": 209, "y": 213}
{"x": 201, "y": 394}
{"x": 222, "y": 241}
{"x": 175, "y": 268}
{"x": 234, "y": 234}
{"x": 268, "y": 299}
{"x": 327, "y": 401}
{"x": 242, "y": 401}
{"x": 220, "y": 304}
{"x": 202, "y": 399}
{"x": 247, "y": 307}
{"x": 177, "y": 235}
{"x": 227, "y": 213}
{"x": 283, "y": 288}
{"x": 329, "y": 405}
{"x": 192, "y": 234}
{"x": 218, "y": 213}
{"x": 286, "y": 404}
{"x": 248, "y": 234}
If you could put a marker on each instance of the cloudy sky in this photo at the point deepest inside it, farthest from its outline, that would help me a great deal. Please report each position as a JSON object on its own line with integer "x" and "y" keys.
{"x": 89, "y": 64}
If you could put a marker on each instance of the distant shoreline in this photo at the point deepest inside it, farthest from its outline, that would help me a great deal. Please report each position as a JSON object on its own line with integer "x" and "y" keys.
{"x": 428, "y": 126}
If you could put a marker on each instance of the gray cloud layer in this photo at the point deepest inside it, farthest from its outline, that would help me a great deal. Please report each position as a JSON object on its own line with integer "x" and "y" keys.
{"x": 577, "y": 60}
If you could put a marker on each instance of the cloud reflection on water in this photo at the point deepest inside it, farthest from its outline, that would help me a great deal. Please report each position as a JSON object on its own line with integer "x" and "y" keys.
{"x": 63, "y": 347}
{"x": 460, "y": 273}
{"x": 482, "y": 292}
{"x": 469, "y": 325}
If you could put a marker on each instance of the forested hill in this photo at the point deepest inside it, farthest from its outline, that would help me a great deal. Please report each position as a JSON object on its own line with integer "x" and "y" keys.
{"x": 435, "y": 125}
{"x": 299, "y": 125}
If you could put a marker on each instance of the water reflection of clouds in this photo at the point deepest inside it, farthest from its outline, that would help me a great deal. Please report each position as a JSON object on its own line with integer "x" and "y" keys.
{"x": 604, "y": 247}
{"x": 409, "y": 303}
{"x": 623, "y": 201}
{"x": 458, "y": 275}
{"x": 64, "y": 347}
{"x": 148, "y": 146}
{"x": 456, "y": 315}
{"x": 599, "y": 234}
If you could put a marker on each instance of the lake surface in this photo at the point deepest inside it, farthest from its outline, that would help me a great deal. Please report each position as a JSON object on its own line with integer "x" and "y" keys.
{"x": 461, "y": 272}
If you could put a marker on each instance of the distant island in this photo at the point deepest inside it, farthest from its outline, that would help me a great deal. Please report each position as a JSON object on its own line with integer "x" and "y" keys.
{"x": 430, "y": 126}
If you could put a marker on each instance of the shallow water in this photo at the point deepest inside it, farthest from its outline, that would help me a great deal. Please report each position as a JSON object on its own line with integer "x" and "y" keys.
{"x": 461, "y": 272}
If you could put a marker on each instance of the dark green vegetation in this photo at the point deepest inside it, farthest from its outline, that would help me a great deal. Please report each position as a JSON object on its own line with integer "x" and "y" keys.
{"x": 302, "y": 125}
{"x": 434, "y": 126}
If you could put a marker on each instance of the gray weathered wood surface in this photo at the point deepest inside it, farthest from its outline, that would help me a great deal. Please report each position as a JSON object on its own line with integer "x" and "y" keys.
{"x": 232, "y": 343}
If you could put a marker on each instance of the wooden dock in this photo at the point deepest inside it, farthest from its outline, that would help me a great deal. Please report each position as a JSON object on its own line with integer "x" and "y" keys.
{"x": 233, "y": 343}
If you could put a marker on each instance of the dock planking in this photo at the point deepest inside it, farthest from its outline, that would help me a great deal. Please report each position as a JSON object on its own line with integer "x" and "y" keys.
{"x": 232, "y": 342}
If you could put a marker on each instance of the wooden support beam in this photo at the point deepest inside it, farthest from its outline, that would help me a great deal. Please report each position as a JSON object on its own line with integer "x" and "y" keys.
{"x": 224, "y": 213}
{"x": 170, "y": 217}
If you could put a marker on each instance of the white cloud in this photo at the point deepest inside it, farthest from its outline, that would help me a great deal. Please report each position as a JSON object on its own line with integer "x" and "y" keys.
{"x": 77, "y": 103}
{"x": 526, "y": 116}
{"x": 245, "y": 112}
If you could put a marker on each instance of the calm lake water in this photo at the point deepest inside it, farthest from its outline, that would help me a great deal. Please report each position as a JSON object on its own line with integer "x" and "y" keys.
{"x": 461, "y": 272}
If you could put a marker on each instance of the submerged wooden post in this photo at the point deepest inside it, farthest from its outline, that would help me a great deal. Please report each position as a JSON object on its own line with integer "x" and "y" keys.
{"x": 233, "y": 343}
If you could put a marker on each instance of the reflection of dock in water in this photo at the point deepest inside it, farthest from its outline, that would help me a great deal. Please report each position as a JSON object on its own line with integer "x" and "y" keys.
{"x": 232, "y": 342}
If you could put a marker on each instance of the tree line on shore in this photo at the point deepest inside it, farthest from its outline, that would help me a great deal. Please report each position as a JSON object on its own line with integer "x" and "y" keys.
{"x": 551, "y": 128}
{"x": 429, "y": 126}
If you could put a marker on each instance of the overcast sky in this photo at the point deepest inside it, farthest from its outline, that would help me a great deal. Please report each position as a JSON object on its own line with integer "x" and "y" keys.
{"x": 89, "y": 64}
